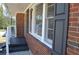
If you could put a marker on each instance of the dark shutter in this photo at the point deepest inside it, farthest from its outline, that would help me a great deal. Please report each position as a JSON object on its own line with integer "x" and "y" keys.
{"x": 60, "y": 33}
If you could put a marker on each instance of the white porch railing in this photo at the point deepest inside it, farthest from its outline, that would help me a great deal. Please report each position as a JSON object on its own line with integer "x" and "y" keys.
{"x": 9, "y": 34}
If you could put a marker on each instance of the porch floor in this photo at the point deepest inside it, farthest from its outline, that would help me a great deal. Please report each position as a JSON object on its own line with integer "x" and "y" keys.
{"x": 20, "y": 53}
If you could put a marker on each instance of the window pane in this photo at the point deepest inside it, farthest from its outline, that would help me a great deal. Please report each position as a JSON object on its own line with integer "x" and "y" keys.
{"x": 51, "y": 23}
{"x": 50, "y": 34}
{"x": 50, "y": 10}
{"x": 38, "y": 18}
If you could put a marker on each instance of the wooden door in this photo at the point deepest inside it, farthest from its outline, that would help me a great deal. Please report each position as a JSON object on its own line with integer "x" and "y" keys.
{"x": 20, "y": 24}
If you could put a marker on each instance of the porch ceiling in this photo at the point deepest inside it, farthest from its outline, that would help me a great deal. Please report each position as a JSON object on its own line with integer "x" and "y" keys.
{"x": 16, "y": 7}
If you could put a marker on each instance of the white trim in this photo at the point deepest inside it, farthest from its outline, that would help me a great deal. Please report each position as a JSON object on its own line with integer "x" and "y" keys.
{"x": 37, "y": 36}
{"x": 33, "y": 19}
{"x": 33, "y": 25}
{"x": 33, "y": 16}
{"x": 28, "y": 7}
{"x": 43, "y": 22}
{"x": 15, "y": 29}
{"x": 47, "y": 39}
{"x": 8, "y": 34}
{"x": 49, "y": 17}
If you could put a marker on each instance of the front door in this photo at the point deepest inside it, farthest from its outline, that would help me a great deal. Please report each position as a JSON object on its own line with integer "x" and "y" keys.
{"x": 20, "y": 24}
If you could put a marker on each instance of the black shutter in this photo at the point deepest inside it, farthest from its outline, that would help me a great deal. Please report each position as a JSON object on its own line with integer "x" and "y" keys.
{"x": 60, "y": 33}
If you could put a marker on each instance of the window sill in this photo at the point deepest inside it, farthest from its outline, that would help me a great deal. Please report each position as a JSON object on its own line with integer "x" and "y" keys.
{"x": 47, "y": 44}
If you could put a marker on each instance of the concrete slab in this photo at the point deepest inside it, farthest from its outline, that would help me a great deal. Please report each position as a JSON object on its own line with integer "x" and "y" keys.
{"x": 20, "y": 53}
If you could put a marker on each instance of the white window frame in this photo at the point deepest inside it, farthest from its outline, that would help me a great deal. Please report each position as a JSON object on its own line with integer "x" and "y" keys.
{"x": 40, "y": 38}
{"x": 33, "y": 24}
{"x": 29, "y": 20}
{"x": 47, "y": 39}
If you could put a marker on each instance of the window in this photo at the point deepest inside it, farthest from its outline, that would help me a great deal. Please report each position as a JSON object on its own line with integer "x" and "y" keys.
{"x": 49, "y": 22}
{"x": 42, "y": 22}
{"x": 38, "y": 19}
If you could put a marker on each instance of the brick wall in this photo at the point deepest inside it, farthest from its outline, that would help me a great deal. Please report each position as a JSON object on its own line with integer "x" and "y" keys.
{"x": 73, "y": 32}
{"x": 37, "y": 47}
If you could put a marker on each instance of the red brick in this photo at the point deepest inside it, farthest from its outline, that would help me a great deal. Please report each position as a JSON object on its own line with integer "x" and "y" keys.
{"x": 71, "y": 5}
{"x": 76, "y": 34}
{"x": 36, "y": 47}
{"x": 74, "y": 9}
{"x": 76, "y": 14}
{"x": 76, "y": 5}
{"x": 72, "y": 38}
{"x": 74, "y": 24}
{"x": 70, "y": 15}
{"x": 73, "y": 19}
{"x": 72, "y": 29}
{"x": 71, "y": 50}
